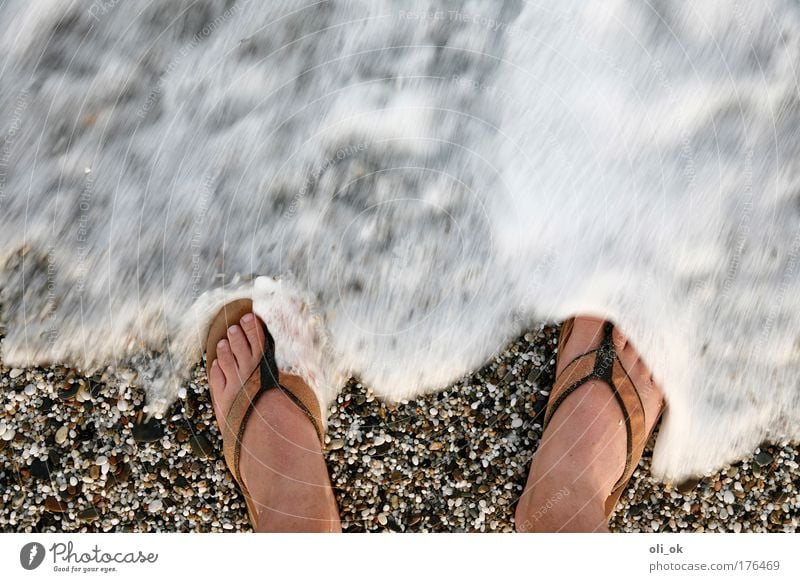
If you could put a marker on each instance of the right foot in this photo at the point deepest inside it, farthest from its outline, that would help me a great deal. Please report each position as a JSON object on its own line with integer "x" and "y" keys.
{"x": 583, "y": 449}
{"x": 281, "y": 460}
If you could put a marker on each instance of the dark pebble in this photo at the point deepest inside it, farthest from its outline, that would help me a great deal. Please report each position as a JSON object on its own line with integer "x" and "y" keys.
{"x": 86, "y": 433}
{"x": 201, "y": 447}
{"x": 190, "y": 407}
{"x": 46, "y": 405}
{"x": 89, "y": 514}
{"x": 764, "y": 459}
{"x": 54, "y": 505}
{"x": 69, "y": 392}
{"x": 148, "y": 432}
{"x": 40, "y": 469}
{"x": 122, "y": 473}
{"x": 182, "y": 435}
{"x": 96, "y": 389}
{"x": 688, "y": 485}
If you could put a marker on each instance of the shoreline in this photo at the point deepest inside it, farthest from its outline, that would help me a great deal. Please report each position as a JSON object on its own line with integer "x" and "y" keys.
{"x": 80, "y": 458}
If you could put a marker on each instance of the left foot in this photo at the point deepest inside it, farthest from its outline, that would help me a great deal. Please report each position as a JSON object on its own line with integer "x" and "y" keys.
{"x": 281, "y": 460}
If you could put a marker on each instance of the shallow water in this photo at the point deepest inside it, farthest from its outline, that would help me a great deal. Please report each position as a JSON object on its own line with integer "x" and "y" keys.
{"x": 435, "y": 180}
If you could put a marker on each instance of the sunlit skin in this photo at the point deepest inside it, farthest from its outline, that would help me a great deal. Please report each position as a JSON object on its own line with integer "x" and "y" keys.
{"x": 582, "y": 452}
{"x": 281, "y": 462}
{"x": 581, "y": 456}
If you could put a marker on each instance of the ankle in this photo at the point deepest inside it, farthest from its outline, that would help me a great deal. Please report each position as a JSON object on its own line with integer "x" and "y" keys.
{"x": 564, "y": 509}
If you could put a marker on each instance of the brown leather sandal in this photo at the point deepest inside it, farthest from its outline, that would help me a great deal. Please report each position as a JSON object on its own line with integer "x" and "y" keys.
{"x": 604, "y": 364}
{"x": 263, "y": 378}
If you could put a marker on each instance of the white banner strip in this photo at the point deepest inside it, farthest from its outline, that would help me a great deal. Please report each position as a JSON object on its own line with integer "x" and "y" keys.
{"x": 401, "y": 557}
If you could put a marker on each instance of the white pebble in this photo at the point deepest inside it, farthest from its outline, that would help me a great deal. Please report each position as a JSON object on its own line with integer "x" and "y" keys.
{"x": 101, "y": 460}
{"x": 516, "y": 423}
{"x": 30, "y": 389}
{"x": 9, "y": 434}
{"x": 122, "y": 405}
{"x": 155, "y": 506}
{"x": 728, "y": 497}
{"x": 15, "y": 373}
{"x": 182, "y": 393}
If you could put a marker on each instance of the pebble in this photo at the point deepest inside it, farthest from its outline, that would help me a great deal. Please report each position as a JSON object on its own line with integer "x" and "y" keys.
{"x": 90, "y": 514}
{"x": 728, "y": 497}
{"x": 54, "y": 505}
{"x": 201, "y": 447}
{"x": 69, "y": 392}
{"x": 122, "y": 405}
{"x": 155, "y": 506}
{"x": 516, "y": 423}
{"x": 9, "y": 434}
{"x": 335, "y": 444}
{"x": 61, "y": 434}
{"x": 40, "y": 469}
{"x": 15, "y": 373}
{"x": 687, "y": 486}
{"x": 18, "y": 500}
{"x": 148, "y": 432}
{"x": 763, "y": 459}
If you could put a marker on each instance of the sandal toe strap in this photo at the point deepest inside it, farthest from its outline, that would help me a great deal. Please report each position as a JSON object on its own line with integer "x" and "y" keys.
{"x": 603, "y": 364}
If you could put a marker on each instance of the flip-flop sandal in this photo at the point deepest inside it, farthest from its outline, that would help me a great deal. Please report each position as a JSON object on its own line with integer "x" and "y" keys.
{"x": 604, "y": 364}
{"x": 261, "y": 380}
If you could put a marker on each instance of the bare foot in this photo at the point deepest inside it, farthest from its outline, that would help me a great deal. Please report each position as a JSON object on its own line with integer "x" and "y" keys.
{"x": 281, "y": 461}
{"x": 583, "y": 450}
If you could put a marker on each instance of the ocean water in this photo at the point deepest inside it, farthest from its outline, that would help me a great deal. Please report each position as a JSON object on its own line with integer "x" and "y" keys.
{"x": 432, "y": 178}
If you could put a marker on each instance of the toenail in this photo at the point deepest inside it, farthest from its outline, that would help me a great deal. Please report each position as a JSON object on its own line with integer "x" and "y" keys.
{"x": 249, "y": 318}
{"x": 222, "y": 345}
{"x": 234, "y": 329}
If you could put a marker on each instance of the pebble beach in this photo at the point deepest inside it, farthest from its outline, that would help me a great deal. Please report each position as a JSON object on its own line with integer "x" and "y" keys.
{"x": 78, "y": 453}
